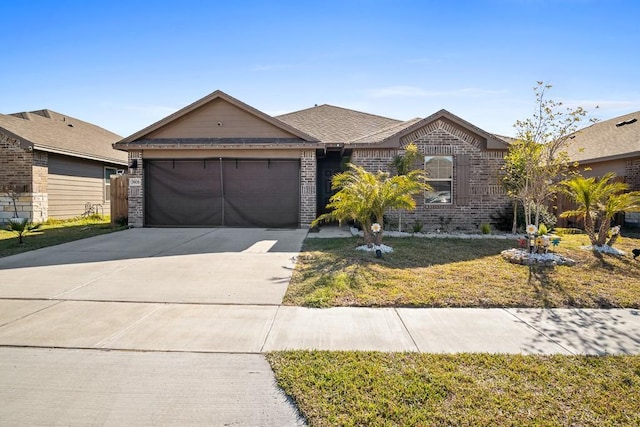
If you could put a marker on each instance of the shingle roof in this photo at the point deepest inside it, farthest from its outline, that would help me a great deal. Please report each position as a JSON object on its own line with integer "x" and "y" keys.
{"x": 385, "y": 133}
{"x": 332, "y": 125}
{"x": 49, "y": 131}
{"x": 615, "y": 138}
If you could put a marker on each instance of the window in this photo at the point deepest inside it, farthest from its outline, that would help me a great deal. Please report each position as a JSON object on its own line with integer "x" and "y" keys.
{"x": 107, "y": 182}
{"x": 439, "y": 171}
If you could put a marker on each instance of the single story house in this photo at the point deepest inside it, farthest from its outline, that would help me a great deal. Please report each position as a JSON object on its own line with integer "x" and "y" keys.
{"x": 610, "y": 146}
{"x": 55, "y": 165}
{"x": 221, "y": 162}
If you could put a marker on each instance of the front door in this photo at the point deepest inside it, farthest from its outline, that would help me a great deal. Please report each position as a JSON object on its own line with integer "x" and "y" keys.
{"x": 327, "y": 168}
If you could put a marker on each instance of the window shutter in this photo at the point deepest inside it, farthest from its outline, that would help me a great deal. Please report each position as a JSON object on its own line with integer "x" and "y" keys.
{"x": 462, "y": 174}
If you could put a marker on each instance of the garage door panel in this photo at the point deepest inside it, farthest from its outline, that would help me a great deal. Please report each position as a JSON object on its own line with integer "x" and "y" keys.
{"x": 255, "y": 193}
{"x": 263, "y": 193}
{"x": 183, "y": 192}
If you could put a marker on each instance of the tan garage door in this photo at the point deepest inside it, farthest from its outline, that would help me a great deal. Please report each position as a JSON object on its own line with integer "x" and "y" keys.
{"x": 227, "y": 192}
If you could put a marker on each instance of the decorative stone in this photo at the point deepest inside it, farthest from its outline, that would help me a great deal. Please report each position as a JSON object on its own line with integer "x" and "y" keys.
{"x": 523, "y": 257}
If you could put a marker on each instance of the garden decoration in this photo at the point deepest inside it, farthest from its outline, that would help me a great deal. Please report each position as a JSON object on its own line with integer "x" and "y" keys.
{"x": 375, "y": 229}
{"x": 534, "y": 249}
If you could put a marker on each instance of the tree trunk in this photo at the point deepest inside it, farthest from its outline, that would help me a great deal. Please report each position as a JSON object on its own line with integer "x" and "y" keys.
{"x": 514, "y": 227}
{"x": 378, "y": 238}
{"x": 602, "y": 231}
{"x": 588, "y": 228}
{"x": 613, "y": 239}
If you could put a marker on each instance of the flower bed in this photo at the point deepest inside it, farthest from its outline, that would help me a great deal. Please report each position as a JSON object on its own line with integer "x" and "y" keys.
{"x": 523, "y": 257}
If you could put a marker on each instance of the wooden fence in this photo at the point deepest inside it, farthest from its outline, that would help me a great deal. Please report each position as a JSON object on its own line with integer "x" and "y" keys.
{"x": 119, "y": 199}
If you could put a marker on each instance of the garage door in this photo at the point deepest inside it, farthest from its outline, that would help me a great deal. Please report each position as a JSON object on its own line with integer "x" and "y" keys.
{"x": 228, "y": 192}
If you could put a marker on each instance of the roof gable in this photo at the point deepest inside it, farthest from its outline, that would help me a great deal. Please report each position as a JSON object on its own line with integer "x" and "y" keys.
{"x": 217, "y": 116}
{"x": 49, "y": 131}
{"x": 405, "y": 132}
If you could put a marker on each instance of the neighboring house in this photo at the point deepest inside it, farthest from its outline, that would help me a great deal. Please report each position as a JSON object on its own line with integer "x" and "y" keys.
{"x": 220, "y": 162}
{"x": 610, "y": 146}
{"x": 57, "y": 164}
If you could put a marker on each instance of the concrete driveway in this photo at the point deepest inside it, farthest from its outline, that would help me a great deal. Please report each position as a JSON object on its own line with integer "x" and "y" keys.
{"x": 148, "y": 290}
{"x": 202, "y": 266}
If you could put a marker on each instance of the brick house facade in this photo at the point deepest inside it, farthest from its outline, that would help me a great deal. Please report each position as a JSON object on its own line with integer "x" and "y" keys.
{"x": 218, "y": 134}
{"x": 54, "y": 164}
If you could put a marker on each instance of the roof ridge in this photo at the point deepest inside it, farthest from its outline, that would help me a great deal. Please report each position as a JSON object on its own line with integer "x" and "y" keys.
{"x": 340, "y": 108}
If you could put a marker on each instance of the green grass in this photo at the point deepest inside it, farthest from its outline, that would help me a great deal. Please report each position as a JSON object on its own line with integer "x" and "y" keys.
{"x": 460, "y": 273}
{"x": 54, "y": 232}
{"x": 403, "y": 389}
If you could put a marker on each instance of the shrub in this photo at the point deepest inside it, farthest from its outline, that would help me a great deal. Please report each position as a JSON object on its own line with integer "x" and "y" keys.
{"x": 485, "y": 228}
{"x": 542, "y": 229}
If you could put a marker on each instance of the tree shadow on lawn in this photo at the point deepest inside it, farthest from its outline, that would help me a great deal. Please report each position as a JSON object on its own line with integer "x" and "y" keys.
{"x": 409, "y": 252}
{"x": 547, "y": 290}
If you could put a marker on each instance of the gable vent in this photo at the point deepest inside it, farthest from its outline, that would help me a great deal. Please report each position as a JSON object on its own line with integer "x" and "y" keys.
{"x": 626, "y": 122}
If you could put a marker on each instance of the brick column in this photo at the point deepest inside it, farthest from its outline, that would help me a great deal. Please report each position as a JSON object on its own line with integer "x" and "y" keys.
{"x": 308, "y": 173}
{"x": 136, "y": 192}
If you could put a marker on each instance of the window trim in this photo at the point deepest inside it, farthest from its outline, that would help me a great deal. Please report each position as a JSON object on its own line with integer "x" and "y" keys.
{"x": 450, "y": 180}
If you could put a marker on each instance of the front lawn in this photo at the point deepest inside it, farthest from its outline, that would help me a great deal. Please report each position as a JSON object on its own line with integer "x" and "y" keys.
{"x": 402, "y": 389}
{"x": 54, "y": 233}
{"x": 454, "y": 272}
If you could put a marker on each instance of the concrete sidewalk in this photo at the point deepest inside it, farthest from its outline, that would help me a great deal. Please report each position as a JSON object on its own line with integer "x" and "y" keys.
{"x": 219, "y": 328}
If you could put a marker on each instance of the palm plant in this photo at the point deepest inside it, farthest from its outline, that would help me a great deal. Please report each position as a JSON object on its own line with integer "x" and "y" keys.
{"x": 403, "y": 164}
{"x": 597, "y": 203}
{"x": 21, "y": 227}
{"x": 365, "y": 197}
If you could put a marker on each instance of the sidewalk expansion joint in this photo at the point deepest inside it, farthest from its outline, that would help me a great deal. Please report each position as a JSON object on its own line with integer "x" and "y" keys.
{"x": 31, "y": 314}
{"x": 404, "y": 325}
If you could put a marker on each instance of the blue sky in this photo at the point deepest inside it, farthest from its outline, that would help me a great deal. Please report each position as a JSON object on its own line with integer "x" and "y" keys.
{"x": 126, "y": 64}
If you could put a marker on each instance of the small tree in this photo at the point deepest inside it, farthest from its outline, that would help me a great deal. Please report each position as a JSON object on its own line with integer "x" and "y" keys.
{"x": 14, "y": 192}
{"x": 403, "y": 164}
{"x": 365, "y": 197}
{"x": 22, "y": 227}
{"x": 597, "y": 203}
{"x": 538, "y": 159}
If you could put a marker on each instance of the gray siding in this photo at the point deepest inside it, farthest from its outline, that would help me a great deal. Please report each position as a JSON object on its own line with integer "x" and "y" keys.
{"x": 72, "y": 183}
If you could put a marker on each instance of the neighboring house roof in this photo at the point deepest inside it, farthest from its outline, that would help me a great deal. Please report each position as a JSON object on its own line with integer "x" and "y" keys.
{"x": 336, "y": 125}
{"x": 140, "y": 137}
{"x": 46, "y": 130}
{"x": 608, "y": 140}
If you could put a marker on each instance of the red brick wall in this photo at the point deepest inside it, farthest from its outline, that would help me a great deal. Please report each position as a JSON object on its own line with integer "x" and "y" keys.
{"x": 15, "y": 164}
{"x": 486, "y": 195}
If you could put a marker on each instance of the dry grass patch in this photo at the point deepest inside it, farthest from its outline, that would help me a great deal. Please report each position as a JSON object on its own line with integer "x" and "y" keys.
{"x": 460, "y": 273}
{"x": 361, "y": 388}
